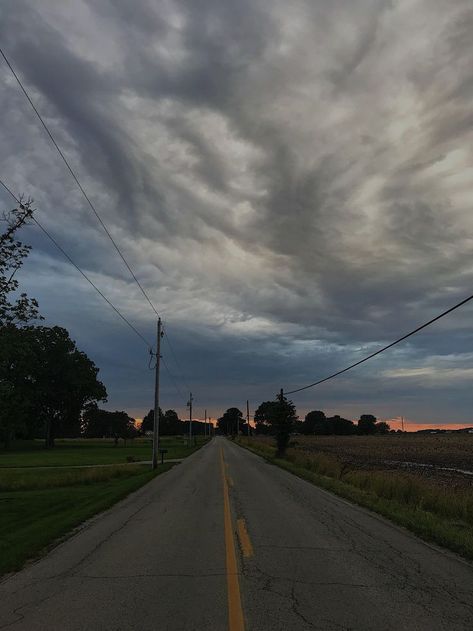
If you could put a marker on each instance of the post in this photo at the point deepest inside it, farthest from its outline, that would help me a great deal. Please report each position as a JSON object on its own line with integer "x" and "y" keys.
{"x": 190, "y": 419}
{"x": 248, "y": 417}
{"x": 154, "y": 463}
{"x": 205, "y": 423}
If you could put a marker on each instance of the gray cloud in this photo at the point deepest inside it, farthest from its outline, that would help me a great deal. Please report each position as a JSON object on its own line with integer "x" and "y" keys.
{"x": 291, "y": 183}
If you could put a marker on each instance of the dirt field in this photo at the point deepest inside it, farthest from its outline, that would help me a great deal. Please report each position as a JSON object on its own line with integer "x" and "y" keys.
{"x": 445, "y": 459}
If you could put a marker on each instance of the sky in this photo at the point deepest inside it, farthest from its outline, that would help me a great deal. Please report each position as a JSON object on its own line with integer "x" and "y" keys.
{"x": 290, "y": 182}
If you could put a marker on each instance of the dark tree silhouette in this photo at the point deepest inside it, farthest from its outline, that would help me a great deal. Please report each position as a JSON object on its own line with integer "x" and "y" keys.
{"x": 231, "y": 422}
{"x": 367, "y": 424}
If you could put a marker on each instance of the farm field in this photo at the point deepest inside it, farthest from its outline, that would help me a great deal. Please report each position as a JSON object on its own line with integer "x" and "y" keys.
{"x": 442, "y": 458}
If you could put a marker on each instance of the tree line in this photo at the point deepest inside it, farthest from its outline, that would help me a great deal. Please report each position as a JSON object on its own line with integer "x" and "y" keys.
{"x": 279, "y": 418}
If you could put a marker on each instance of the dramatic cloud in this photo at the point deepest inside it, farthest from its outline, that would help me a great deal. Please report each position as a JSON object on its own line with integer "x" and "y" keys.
{"x": 291, "y": 182}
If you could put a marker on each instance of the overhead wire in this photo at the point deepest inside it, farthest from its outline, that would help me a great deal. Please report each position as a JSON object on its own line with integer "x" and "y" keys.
{"x": 76, "y": 179}
{"x": 84, "y": 193}
{"x": 173, "y": 379}
{"x": 176, "y": 361}
{"x": 69, "y": 258}
{"x": 385, "y": 348}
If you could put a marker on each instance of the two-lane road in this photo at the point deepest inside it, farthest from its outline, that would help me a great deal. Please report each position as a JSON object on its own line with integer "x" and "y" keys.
{"x": 226, "y": 541}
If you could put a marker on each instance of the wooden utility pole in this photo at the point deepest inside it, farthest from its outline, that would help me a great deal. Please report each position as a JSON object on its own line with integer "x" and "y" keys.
{"x": 154, "y": 462}
{"x": 205, "y": 423}
{"x": 248, "y": 417}
{"x": 189, "y": 404}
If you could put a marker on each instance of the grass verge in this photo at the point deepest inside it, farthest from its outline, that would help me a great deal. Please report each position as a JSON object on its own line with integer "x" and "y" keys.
{"x": 442, "y": 516}
{"x": 69, "y": 452}
{"x": 38, "y": 507}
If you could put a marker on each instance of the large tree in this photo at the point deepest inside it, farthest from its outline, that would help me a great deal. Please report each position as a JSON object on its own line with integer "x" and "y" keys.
{"x": 367, "y": 424}
{"x": 279, "y": 416}
{"x": 340, "y": 426}
{"x": 231, "y": 422}
{"x": 65, "y": 381}
{"x": 16, "y": 311}
{"x": 262, "y": 417}
{"x": 314, "y": 423}
{"x": 170, "y": 424}
{"x": 17, "y": 385}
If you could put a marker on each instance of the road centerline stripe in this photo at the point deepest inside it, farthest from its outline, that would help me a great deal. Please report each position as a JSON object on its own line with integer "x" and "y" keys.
{"x": 245, "y": 541}
{"x": 235, "y": 611}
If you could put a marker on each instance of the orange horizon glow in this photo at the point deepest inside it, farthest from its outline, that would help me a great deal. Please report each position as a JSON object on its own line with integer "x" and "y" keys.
{"x": 411, "y": 426}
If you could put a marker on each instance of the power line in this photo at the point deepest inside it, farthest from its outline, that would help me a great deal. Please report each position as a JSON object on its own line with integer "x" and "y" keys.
{"x": 66, "y": 255}
{"x": 176, "y": 386}
{"x": 178, "y": 365}
{"x": 76, "y": 179}
{"x": 385, "y": 348}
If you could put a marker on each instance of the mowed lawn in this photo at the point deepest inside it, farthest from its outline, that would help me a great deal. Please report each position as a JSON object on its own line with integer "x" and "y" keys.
{"x": 39, "y": 506}
{"x": 78, "y": 451}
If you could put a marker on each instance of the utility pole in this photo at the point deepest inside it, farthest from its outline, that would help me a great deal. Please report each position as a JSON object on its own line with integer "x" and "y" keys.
{"x": 281, "y": 396}
{"x": 402, "y": 423}
{"x": 154, "y": 463}
{"x": 189, "y": 405}
{"x": 248, "y": 416}
{"x": 205, "y": 423}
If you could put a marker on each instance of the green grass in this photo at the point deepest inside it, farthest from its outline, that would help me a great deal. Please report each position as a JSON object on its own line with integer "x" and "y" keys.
{"x": 442, "y": 516}
{"x": 90, "y": 452}
{"x": 37, "y": 510}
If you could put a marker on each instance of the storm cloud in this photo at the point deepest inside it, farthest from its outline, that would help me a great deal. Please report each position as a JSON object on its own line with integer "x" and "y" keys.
{"x": 291, "y": 182}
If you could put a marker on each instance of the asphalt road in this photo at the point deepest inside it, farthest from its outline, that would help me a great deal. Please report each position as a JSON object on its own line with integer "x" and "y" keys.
{"x": 225, "y": 541}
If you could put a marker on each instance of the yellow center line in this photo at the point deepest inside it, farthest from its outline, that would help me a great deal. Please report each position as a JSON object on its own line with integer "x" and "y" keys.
{"x": 235, "y": 611}
{"x": 245, "y": 540}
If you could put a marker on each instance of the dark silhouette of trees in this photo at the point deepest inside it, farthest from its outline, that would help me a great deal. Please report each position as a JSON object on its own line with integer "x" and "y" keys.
{"x": 46, "y": 383}
{"x": 65, "y": 381}
{"x": 382, "y": 428}
{"x": 231, "y": 422}
{"x": 15, "y": 311}
{"x": 367, "y": 424}
{"x": 170, "y": 424}
{"x": 277, "y": 418}
{"x": 147, "y": 424}
{"x": 340, "y": 426}
{"x": 262, "y": 417}
{"x": 97, "y": 423}
{"x": 314, "y": 423}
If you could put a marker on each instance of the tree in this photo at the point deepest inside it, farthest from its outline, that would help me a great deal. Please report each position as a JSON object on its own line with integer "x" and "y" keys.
{"x": 170, "y": 424}
{"x": 97, "y": 423}
{"x": 262, "y": 417}
{"x": 340, "y": 426}
{"x": 279, "y": 417}
{"x": 65, "y": 380}
{"x": 231, "y": 422}
{"x": 314, "y": 423}
{"x": 17, "y": 312}
{"x": 367, "y": 424}
{"x": 17, "y": 416}
{"x": 122, "y": 426}
{"x": 382, "y": 428}
{"x": 148, "y": 422}
{"x": 22, "y": 309}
